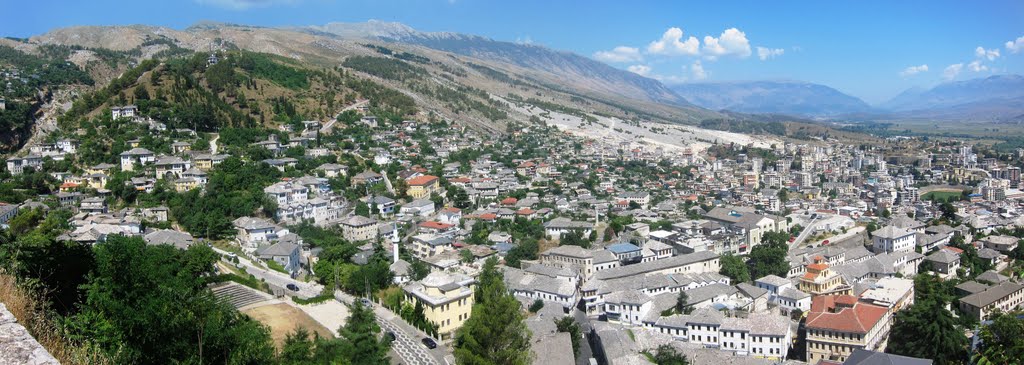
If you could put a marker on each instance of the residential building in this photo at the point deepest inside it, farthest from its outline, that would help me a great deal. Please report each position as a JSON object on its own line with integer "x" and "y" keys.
{"x": 447, "y": 300}
{"x": 893, "y": 239}
{"x": 837, "y": 325}
{"x": 422, "y": 186}
{"x": 1005, "y": 297}
{"x": 358, "y": 228}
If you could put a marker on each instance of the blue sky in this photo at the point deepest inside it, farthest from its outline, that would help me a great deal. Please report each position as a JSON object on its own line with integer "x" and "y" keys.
{"x": 870, "y": 49}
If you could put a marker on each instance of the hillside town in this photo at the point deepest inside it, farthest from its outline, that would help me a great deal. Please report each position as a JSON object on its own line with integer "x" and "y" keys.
{"x": 804, "y": 252}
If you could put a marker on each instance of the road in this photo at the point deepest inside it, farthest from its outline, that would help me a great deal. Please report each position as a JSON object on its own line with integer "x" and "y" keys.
{"x": 330, "y": 124}
{"x": 276, "y": 279}
{"x": 803, "y": 234}
{"x": 213, "y": 144}
{"x": 585, "y": 351}
{"x": 407, "y": 345}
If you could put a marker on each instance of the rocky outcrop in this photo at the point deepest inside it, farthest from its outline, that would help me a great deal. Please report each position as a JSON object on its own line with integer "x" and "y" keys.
{"x": 17, "y": 346}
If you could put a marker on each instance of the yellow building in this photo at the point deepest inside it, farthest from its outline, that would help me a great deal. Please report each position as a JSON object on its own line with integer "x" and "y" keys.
{"x": 185, "y": 184}
{"x": 447, "y": 300}
{"x": 819, "y": 280}
{"x": 422, "y": 186}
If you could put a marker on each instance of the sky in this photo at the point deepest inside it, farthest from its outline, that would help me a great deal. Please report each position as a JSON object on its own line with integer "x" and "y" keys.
{"x": 869, "y": 49}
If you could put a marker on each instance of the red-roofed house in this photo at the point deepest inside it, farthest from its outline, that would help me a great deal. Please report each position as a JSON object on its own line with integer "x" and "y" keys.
{"x": 436, "y": 227}
{"x": 422, "y": 186}
{"x": 509, "y": 201}
{"x": 839, "y": 324}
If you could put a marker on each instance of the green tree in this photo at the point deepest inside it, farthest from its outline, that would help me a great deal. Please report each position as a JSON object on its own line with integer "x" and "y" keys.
{"x": 769, "y": 258}
{"x": 362, "y": 345}
{"x": 495, "y": 332}
{"x": 927, "y": 330}
{"x": 668, "y": 355}
{"x": 1001, "y": 340}
{"x": 151, "y": 305}
{"x": 568, "y": 324}
{"x": 734, "y": 267}
{"x": 681, "y": 306}
{"x": 525, "y": 250}
{"x": 536, "y": 306}
{"x": 362, "y": 209}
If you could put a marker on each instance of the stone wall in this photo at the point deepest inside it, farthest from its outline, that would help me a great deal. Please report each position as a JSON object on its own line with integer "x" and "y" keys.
{"x": 17, "y": 346}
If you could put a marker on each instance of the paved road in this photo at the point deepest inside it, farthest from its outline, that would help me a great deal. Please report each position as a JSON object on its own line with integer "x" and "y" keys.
{"x": 407, "y": 345}
{"x": 277, "y": 279}
{"x": 330, "y": 124}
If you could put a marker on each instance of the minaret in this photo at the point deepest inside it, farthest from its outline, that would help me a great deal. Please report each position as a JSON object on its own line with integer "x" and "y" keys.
{"x": 394, "y": 243}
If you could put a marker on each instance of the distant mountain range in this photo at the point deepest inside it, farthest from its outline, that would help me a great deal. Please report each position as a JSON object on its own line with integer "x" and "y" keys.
{"x": 994, "y": 98}
{"x": 998, "y": 98}
{"x": 782, "y": 97}
{"x": 538, "y": 62}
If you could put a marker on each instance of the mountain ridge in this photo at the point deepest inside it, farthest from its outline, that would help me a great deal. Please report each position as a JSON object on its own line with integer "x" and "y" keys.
{"x": 776, "y": 97}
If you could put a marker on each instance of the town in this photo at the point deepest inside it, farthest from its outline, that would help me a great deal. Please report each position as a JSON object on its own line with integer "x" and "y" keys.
{"x": 372, "y": 194}
{"x": 797, "y": 252}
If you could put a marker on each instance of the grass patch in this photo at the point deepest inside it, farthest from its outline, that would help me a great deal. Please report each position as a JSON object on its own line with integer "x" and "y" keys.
{"x": 276, "y": 266}
{"x": 942, "y": 195}
{"x": 249, "y": 281}
{"x": 632, "y": 336}
{"x": 31, "y": 312}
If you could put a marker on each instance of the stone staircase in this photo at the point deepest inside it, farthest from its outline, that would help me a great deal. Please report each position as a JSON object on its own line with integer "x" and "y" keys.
{"x": 239, "y": 295}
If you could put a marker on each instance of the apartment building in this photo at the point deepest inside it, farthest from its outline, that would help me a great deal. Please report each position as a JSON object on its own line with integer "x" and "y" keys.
{"x": 1004, "y": 297}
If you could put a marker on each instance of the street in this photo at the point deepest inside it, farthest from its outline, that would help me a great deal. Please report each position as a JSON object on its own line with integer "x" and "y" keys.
{"x": 276, "y": 280}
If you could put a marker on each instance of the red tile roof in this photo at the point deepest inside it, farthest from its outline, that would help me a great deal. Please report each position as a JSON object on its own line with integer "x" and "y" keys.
{"x": 953, "y": 249}
{"x": 860, "y": 318}
{"x": 436, "y": 225}
{"x": 422, "y": 180}
{"x": 509, "y": 201}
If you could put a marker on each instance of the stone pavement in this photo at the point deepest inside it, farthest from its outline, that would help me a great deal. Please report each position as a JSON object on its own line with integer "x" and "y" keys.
{"x": 17, "y": 346}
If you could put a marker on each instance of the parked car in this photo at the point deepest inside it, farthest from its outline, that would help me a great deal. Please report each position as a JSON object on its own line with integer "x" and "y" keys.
{"x": 390, "y": 335}
{"x": 429, "y": 343}
{"x": 292, "y": 287}
{"x": 366, "y": 302}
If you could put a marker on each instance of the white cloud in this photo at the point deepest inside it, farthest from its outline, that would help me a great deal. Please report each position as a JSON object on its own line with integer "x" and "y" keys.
{"x": 697, "y": 70}
{"x": 619, "y": 54}
{"x": 990, "y": 54}
{"x": 671, "y": 44}
{"x": 732, "y": 42}
{"x": 642, "y": 70}
{"x": 976, "y": 66}
{"x": 765, "y": 53}
{"x": 524, "y": 40}
{"x": 952, "y": 70}
{"x": 245, "y": 4}
{"x": 913, "y": 70}
{"x": 1015, "y": 46}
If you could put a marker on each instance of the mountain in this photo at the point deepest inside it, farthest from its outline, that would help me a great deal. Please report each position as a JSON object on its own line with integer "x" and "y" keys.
{"x": 537, "y": 62}
{"x": 996, "y": 98}
{"x": 782, "y": 97}
{"x": 459, "y": 76}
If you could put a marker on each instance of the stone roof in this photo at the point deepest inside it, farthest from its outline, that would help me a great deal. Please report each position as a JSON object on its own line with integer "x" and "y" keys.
{"x": 181, "y": 240}
{"x": 992, "y": 294}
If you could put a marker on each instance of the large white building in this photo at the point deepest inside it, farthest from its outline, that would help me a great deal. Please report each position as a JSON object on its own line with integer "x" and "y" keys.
{"x": 890, "y": 239}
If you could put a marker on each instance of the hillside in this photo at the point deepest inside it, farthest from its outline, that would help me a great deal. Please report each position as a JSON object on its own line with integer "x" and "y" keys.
{"x": 541, "y": 63}
{"x": 453, "y": 85}
{"x": 794, "y": 98}
{"x": 995, "y": 98}
{"x": 37, "y": 81}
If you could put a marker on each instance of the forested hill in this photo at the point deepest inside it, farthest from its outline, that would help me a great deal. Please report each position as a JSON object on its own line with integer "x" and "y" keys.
{"x": 243, "y": 89}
